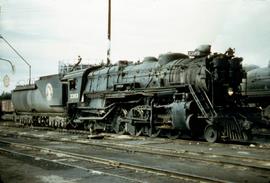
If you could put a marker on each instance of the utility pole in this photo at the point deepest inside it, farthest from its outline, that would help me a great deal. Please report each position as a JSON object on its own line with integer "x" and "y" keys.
{"x": 1, "y": 37}
{"x": 109, "y": 34}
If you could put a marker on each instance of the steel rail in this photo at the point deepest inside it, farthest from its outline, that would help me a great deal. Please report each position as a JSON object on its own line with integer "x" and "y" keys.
{"x": 242, "y": 161}
{"x": 114, "y": 163}
{"x": 217, "y": 158}
{"x": 3, "y": 150}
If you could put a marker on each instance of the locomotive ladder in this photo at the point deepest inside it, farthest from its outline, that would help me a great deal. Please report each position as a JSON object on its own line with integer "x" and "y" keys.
{"x": 197, "y": 101}
{"x": 209, "y": 104}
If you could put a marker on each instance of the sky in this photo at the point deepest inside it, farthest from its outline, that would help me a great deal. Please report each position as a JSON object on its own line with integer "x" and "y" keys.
{"x": 46, "y": 32}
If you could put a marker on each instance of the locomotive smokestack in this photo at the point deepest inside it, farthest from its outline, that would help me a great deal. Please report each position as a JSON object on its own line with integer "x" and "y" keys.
{"x": 109, "y": 34}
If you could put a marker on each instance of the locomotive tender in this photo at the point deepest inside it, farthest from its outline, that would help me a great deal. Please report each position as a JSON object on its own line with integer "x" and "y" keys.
{"x": 176, "y": 94}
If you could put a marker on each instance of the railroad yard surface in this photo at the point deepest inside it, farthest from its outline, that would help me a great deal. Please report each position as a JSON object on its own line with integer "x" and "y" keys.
{"x": 46, "y": 155}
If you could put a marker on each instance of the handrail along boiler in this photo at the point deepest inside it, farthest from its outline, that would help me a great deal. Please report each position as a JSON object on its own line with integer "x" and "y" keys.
{"x": 176, "y": 94}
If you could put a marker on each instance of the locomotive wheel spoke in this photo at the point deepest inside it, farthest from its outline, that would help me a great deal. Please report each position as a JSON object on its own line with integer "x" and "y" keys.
{"x": 139, "y": 131}
{"x": 121, "y": 128}
{"x": 120, "y": 125}
{"x": 88, "y": 126}
{"x": 153, "y": 133}
{"x": 131, "y": 129}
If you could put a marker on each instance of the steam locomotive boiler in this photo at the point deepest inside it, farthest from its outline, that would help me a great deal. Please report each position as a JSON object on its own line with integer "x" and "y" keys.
{"x": 174, "y": 95}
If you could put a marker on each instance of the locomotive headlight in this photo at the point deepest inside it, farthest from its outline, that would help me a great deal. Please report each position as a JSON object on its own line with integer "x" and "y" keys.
{"x": 230, "y": 91}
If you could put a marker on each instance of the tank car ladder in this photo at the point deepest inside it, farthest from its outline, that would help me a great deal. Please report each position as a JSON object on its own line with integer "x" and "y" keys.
{"x": 212, "y": 112}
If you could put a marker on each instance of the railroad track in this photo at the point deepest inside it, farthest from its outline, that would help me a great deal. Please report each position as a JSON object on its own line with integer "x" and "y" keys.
{"x": 260, "y": 163}
{"x": 30, "y": 151}
{"x": 240, "y": 162}
{"x": 235, "y": 160}
{"x": 15, "y": 153}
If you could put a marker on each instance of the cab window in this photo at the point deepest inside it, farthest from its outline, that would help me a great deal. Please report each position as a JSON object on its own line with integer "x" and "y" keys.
{"x": 72, "y": 84}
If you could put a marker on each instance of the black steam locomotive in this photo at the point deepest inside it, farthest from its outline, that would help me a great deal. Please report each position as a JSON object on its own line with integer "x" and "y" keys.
{"x": 174, "y": 95}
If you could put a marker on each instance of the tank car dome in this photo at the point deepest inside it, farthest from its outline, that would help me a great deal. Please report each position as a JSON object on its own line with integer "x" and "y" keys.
{"x": 150, "y": 59}
{"x": 168, "y": 57}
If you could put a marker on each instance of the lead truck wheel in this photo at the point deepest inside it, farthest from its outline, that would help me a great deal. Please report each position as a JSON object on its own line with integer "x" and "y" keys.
{"x": 211, "y": 134}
